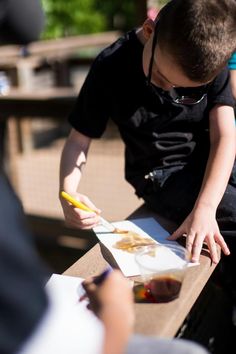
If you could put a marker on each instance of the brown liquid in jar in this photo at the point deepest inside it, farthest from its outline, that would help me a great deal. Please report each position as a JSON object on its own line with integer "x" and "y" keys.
{"x": 158, "y": 290}
{"x": 164, "y": 289}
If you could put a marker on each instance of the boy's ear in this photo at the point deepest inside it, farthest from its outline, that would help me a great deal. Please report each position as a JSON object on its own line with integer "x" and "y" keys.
{"x": 148, "y": 28}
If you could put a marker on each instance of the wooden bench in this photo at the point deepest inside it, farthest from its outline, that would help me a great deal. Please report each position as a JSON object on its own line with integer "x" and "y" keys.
{"x": 49, "y": 102}
{"x": 153, "y": 319}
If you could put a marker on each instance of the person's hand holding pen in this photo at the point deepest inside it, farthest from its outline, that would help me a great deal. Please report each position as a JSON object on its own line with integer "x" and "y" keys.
{"x": 112, "y": 301}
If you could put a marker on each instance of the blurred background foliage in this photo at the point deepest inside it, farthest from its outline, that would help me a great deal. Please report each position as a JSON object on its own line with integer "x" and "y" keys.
{"x": 71, "y": 17}
{"x": 74, "y": 17}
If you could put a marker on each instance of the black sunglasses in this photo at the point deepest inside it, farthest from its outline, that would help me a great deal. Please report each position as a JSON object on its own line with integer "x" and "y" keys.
{"x": 179, "y": 95}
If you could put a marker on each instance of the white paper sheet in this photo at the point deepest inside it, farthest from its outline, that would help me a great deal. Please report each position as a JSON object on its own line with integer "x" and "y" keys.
{"x": 147, "y": 227}
{"x": 68, "y": 325}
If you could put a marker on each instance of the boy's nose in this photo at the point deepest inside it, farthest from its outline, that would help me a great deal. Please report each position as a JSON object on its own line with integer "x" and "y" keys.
{"x": 167, "y": 87}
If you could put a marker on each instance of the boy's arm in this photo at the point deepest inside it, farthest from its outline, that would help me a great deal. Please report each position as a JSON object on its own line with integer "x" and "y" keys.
{"x": 201, "y": 225}
{"x": 73, "y": 158}
{"x": 221, "y": 157}
{"x": 233, "y": 82}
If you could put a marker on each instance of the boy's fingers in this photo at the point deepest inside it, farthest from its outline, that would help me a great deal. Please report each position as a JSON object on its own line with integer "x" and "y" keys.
{"x": 213, "y": 249}
{"x": 82, "y": 214}
{"x": 221, "y": 242}
{"x": 195, "y": 243}
{"x": 176, "y": 234}
{"x": 189, "y": 244}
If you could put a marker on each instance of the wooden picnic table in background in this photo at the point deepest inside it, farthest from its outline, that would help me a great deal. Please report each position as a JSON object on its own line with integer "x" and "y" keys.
{"x": 60, "y": 47}
{"x": 21, "y": 62}
{"x": 30, "y": 98}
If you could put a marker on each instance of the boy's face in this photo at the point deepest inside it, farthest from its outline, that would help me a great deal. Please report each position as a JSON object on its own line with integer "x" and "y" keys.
{"x": 165, "y": 73}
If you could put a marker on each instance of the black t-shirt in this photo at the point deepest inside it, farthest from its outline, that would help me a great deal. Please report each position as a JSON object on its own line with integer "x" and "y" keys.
{"x": 157, "y": 132}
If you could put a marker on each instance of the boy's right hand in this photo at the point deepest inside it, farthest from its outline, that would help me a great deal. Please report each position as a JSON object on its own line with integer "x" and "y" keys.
{"x": 77, "y": 218}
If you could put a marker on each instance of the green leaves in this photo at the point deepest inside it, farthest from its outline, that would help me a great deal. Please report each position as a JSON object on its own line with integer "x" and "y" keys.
{"x": 72, "y": 17}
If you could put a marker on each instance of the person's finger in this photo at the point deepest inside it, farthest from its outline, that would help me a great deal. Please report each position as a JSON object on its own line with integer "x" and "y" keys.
{"x": 189, "y": 243}
{"x": 88, "y": 223}
{"x": 212, "y": 248}
{"x": 82, "y": 214}
{"x": 221, "y": 242}
{"x": 197, "y": 247}
{"x": 86, "y": 219}
{"x": 77, "y": 224}
{"x": 89, "y": 286}
{"x": 85, "y": 223}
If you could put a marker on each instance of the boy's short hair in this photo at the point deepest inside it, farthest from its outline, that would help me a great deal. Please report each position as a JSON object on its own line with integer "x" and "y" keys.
{"x": 199, "y": 34}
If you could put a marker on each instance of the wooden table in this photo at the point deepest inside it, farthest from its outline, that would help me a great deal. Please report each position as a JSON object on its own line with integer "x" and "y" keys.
{"x": 153, "y": 319}
{"x": 49, "y": 102}
{"x": 53, "y": 52}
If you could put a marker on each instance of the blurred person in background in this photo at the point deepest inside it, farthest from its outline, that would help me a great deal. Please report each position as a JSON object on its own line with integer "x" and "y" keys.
{"x": 21, "y": 22}
{"x": 22, "y": 298}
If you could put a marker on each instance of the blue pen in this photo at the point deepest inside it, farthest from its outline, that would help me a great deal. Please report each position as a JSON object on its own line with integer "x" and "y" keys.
{"x": 97, "y": 280}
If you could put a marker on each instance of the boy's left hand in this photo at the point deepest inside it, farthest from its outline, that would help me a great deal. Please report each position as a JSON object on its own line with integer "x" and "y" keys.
{"x": 201, "y": 226}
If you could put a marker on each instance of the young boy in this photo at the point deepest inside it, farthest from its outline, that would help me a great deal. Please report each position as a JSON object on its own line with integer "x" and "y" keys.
{"x": 166, "y": 87}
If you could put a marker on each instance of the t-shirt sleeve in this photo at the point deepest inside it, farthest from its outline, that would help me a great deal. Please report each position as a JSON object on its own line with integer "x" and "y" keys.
{"x": 220, "y": 90}
{"x": 232, "y": 62}
{"x": 91, "y": 110}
